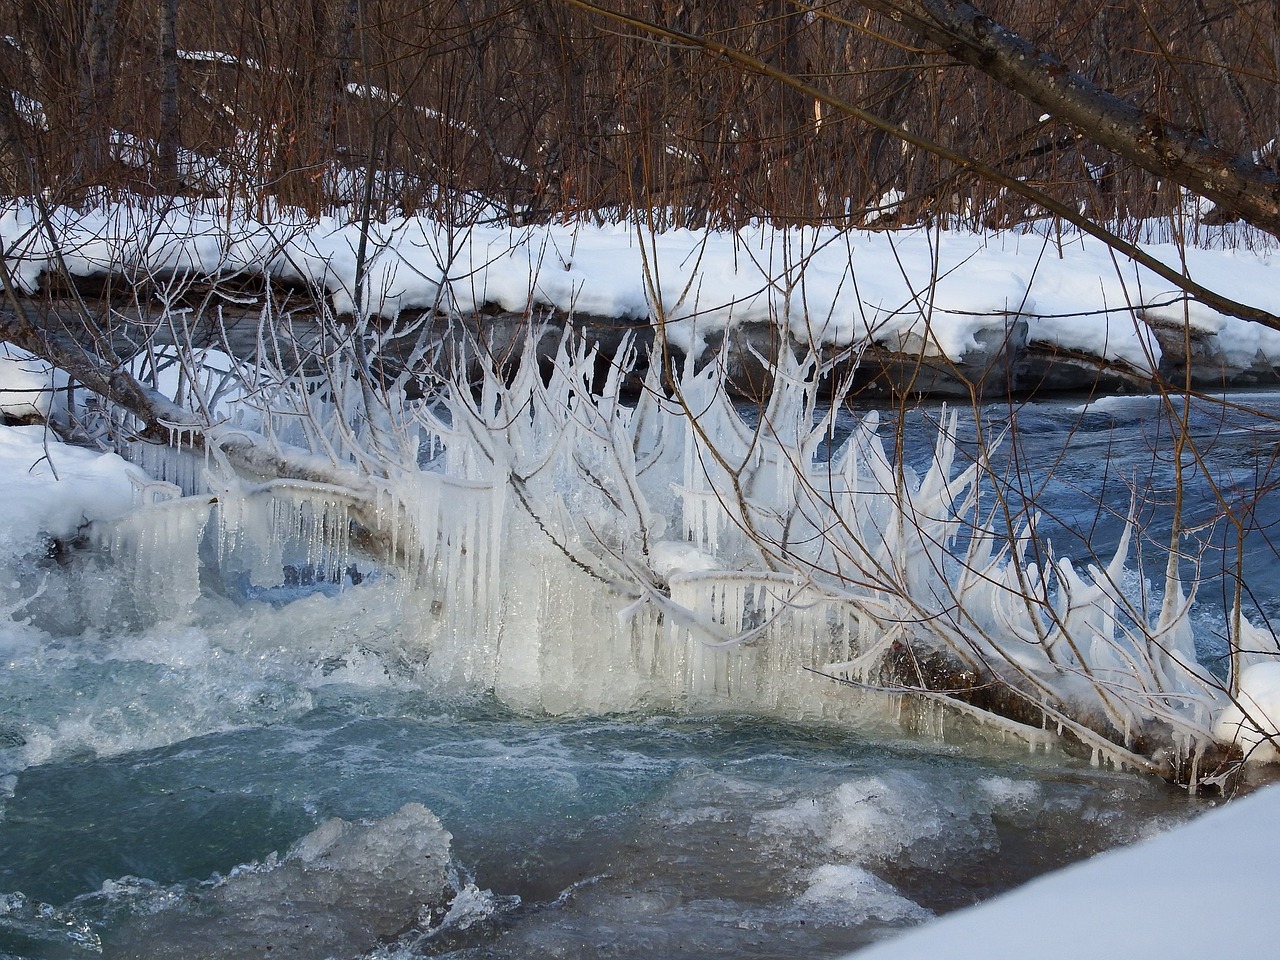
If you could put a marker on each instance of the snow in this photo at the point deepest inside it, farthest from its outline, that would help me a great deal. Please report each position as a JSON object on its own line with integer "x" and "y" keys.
{"x": 1254, "y": 717}
{"x": 1204, "y": 889}
{"x": 26, "y": 384}
{"x": 55, "y": 489}
{"x": 936, "y": 292}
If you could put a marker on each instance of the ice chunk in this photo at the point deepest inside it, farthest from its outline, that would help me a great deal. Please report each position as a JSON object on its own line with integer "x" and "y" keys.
{"x": 343, "y": 889}
{"x": 853, "y": 895}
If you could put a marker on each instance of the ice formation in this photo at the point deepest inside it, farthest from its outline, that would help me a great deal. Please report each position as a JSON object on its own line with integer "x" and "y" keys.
{"x": 579, "y": 552}
{"x": 574, "y": 551}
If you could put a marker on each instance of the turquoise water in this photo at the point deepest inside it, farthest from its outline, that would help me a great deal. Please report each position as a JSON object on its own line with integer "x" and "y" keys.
{"x": 614, "y": 836}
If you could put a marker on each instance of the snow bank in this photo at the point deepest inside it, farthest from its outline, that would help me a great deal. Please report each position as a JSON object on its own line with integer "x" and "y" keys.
{"x": 1205, "y": 889}
{"x": 26, "y": 384}
{"x": 53, "y": 489}
{"x": 933, "y": 293}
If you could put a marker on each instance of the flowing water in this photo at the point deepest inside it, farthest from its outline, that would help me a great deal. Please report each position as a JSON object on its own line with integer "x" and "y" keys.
{"x": 279, "y": 772}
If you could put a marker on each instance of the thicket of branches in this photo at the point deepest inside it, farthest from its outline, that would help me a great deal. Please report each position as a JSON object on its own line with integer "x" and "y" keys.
{"x": 555, "y": 111}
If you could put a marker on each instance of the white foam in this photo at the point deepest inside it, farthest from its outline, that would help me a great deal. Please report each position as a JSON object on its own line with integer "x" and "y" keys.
{"x": 1007, "y": 792}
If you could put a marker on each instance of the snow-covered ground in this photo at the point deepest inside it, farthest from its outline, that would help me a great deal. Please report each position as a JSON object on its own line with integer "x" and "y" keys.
{"x": 51, "y": 488}
{"x": 1202, "y": 890}
{"x": 915, "y": 289}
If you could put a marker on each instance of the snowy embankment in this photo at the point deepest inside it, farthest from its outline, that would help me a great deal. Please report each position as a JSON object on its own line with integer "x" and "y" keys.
{"x": 1025, "y": 309}
{"x": 1205, "y": 889}
{"x": 52, "y": 489}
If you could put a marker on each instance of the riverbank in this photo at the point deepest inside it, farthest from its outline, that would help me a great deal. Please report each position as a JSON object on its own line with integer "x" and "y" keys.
{"x": 1205, "y": 888}
{"x": 924, "y": 312}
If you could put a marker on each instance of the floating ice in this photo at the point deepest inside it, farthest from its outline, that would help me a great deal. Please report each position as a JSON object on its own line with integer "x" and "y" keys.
{"x": 851, "y": 894}
{"x": 343, "y": 890}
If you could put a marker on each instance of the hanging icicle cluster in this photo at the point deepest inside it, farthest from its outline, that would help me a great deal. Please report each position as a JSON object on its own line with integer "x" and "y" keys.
{"x": 581, "y": 551}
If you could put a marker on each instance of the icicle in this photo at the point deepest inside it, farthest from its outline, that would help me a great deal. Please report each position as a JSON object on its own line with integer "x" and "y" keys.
{"x": 159, "y": 547}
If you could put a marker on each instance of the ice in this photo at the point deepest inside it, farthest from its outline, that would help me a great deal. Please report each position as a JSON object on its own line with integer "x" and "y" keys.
{"x": 670, "y": 557}
{"x": 539, "y": 541}
{"x": 472, "y": 906}
{"x": 850, "y": 894}
{"x": 889, "y": 818}
{"x": 343, "y": 890}
{"x": 159, "y": 552}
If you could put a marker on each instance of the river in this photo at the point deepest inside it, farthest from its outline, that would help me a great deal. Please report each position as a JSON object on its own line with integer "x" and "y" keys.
{"x": 165, "y": 781}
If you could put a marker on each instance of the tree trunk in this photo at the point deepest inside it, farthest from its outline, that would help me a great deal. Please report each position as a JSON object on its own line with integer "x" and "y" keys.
{"x": 95, "y": 94}
{"x": 169, "y": 138}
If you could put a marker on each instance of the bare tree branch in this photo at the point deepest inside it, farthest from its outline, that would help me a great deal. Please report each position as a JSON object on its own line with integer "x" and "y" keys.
{"x": 1236, "y": 183}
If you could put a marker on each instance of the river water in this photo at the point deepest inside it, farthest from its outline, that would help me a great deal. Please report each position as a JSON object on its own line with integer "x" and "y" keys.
{"x": 165, "y": 783}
